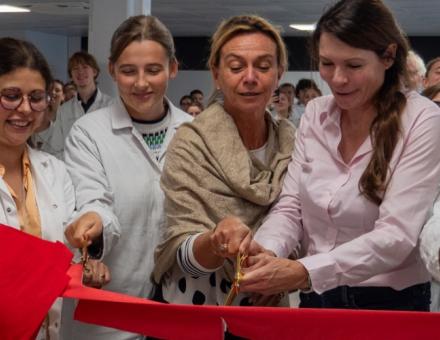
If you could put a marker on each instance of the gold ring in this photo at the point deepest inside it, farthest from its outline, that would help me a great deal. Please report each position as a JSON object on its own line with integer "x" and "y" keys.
{"x": 280, "y": 296}
{"x": 87, "y": 269}
{"x": 223, "y": 247}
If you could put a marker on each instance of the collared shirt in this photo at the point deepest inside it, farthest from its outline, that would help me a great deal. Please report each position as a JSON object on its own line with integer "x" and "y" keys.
{"x": 28, "y": 214}
{"x": 88, "y": 104}
{"x": 67, "y": 114}
{"x": 345, "y": 238}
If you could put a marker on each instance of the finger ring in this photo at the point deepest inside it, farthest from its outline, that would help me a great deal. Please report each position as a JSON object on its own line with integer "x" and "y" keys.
{"x": 87, "y": 269}
{"x": 280, "y": 296}
{"x": 223, "y": 247}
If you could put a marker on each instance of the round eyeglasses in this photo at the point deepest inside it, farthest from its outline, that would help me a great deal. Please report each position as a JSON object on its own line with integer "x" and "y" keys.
{"x": 12, "y": 98}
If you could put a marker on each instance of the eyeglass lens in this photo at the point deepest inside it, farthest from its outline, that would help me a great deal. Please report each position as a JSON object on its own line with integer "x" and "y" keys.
{"x": 12, "y": 98}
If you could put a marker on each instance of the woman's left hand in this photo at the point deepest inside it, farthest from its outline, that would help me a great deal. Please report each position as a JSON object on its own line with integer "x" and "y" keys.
{"x": 269, "y": 275}
{"x": 96, "y": 274}
{"x": 229, "y": 237}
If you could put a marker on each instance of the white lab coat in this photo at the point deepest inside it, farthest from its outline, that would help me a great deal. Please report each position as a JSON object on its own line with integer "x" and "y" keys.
{"x": 56, "y": 203}
{"x": 429, "y": 251}
{"x": 67, "y": 114}
{"x": 115, "y": 173}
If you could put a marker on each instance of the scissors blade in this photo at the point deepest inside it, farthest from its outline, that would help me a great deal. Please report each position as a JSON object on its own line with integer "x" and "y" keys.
{"x": 231, "y": 295}
{"x": 236, "y": 283}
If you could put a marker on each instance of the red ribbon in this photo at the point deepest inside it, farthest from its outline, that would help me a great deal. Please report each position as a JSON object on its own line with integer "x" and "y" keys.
{"x": 33, "y": 273}
{"x": 32, "y": 276}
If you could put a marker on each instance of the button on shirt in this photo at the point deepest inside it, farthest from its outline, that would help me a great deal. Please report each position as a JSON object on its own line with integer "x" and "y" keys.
{"x": 345, "y": 238}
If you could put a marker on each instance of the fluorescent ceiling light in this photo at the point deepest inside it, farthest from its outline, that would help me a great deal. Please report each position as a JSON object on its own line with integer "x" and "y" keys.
{"x": 303, "y": 27}
{"x": 12, "y": 9}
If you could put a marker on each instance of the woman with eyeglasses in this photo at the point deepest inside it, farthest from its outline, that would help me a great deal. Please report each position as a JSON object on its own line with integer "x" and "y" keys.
{"x": 36, "y": 193}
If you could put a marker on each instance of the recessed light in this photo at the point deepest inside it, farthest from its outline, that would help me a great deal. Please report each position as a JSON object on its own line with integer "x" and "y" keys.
{"x": 303, "y": 27}
{"x": 12, "y": 9}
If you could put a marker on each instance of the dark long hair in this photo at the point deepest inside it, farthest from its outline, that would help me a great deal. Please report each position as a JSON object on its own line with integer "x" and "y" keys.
{"x": 369, "y": 25}
{"x": 15, "y": 54}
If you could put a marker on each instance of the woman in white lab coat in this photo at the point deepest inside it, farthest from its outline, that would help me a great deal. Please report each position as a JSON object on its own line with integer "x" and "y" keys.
{"x": 36, "y": 193}
{"x": 115, "y": 156}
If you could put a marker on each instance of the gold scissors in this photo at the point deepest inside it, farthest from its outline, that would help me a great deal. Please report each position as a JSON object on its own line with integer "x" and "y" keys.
{"x": 237, "y": 279}
{"x": 85, "y": 257}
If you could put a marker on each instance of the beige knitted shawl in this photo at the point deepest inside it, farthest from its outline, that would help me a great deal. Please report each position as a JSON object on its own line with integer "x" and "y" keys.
{"x": 209, "y": 175}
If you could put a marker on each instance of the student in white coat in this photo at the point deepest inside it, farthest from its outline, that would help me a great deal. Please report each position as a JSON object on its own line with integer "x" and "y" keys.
{"x": 115, "y": 157}
{"x": 83, "y": 70}
{"x": 36, "y": 192}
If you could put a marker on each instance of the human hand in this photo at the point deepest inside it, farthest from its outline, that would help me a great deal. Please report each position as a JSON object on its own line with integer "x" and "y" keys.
{"x": 84, "y": 230}
{"x": 96, "y": 274}
{"x": 269, "y": 275}
{"x": 229, "y": 237}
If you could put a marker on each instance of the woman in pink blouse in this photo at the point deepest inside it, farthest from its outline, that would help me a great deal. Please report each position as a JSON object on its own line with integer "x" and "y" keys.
{"x": 365, "y": 173}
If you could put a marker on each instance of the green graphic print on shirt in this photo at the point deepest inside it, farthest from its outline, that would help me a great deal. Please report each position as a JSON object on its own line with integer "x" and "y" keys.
{"x": 155, "y": 141}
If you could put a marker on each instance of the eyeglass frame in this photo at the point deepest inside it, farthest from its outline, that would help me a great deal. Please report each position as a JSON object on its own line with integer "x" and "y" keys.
{"x": 47, "y": 98}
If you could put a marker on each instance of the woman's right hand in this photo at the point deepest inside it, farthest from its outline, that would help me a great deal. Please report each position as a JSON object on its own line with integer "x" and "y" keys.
{"x": 229, "y": 237}
{"x": 84, "y": 230}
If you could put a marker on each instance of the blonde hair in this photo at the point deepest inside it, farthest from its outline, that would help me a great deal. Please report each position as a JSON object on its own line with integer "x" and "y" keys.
{"x": 245, "y": 24}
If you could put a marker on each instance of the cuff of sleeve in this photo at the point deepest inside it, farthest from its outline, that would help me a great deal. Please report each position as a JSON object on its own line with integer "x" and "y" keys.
{"x": 193, "y": 258}
{"x": 274, "y": 246}
{"x": 322, "y": 272}
{"x": 430, "y": 247}
{"x": 110, "y": 232}
{"x": 187, "y": 261}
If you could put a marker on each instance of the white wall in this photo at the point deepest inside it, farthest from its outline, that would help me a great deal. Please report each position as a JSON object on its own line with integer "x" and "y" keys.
{"x": 190, "y": 80}
{"x": 58, "y": 48}
{"x": 55, "y": 48}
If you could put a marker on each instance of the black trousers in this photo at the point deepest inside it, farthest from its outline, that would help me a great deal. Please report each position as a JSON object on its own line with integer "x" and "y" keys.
{"x": 414, "y": 298}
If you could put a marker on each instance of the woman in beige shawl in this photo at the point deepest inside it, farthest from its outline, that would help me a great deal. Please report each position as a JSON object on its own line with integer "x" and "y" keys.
{"x": 228, "y": 164}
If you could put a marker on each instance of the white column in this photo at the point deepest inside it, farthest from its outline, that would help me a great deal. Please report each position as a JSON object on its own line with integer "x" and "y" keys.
{"x": 105, "y": 16}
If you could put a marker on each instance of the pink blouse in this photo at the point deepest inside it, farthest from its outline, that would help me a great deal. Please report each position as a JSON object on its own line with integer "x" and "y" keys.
{"x": 344, "y": 238}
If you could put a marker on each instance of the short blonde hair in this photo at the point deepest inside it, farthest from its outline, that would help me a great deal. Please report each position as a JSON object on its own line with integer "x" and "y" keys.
{"x": 245, "y": 24}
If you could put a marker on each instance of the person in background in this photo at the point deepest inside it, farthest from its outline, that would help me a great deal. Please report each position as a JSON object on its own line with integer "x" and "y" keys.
{"x": 83, "y": 70}
{"x": 40, "y": 138}
{"x": 281, "y": 106}
{"x": 115, "y": 156}
{"x": 433, "y": 93}
{"x": 230, "y": 161}
{"x": 36, "y": 192}
{"x": 430, "y": 236}
{"x": 197, "y": 96}
{"x": 300, "y": 89}
{"x": 416, "y": 71}
{"x": 58, "y": 92}
{"x": 432, "y": 76}
{"x": 363, "y": 179}
{"x": 194, "y": 109}
{"x": 69, "y": 91}
{"x": 311, "y": 93}
{"x": 289, "y": 90}
{"x": 185, "y": 102}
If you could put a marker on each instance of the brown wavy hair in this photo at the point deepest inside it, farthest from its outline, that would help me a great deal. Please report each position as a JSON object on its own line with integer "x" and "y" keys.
{"x": 139, "y": 28}
{"x": 16, "y": 53}
{"x": 369, "y": 25}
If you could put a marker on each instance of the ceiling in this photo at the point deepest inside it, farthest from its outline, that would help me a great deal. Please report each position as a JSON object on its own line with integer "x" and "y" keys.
{"x": 200, "y": 17}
